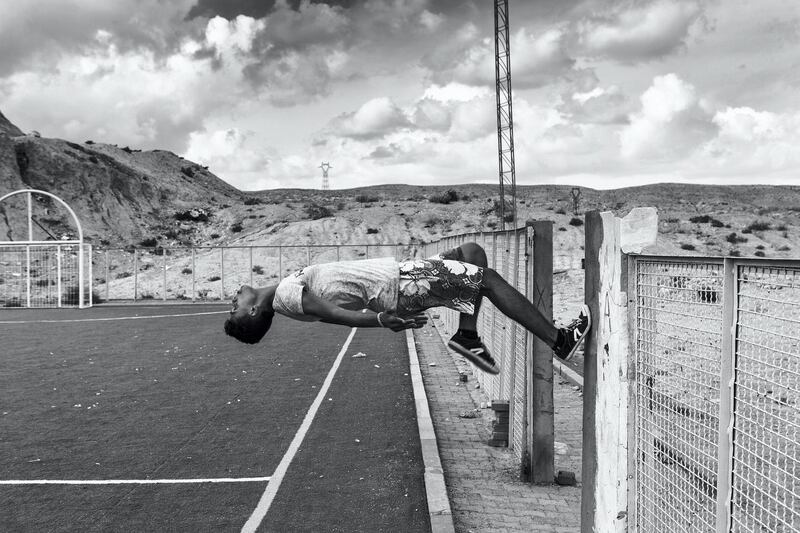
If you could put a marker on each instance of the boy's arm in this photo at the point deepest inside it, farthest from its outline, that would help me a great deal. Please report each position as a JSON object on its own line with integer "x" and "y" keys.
{"x": 333, "y": 314}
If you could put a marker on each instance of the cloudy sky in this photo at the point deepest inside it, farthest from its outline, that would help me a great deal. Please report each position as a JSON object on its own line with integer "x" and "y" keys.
{"x": 607, "y": 93}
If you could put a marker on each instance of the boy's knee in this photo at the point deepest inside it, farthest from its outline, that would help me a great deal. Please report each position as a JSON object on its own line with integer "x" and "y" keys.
{"x": 474, "y": 254}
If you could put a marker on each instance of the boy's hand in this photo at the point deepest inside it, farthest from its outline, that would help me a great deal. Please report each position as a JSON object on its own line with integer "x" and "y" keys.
{"x": 395, "y": 323}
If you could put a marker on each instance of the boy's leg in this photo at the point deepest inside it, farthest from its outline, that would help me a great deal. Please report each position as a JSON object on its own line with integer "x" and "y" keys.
{"x": 516, "y": 306}
{"x": 474, "y": 254}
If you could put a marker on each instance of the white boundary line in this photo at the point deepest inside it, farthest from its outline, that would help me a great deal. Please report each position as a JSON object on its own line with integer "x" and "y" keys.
{"x": 109, "y": 319}
{"x": 277, "y": 477}
{"x": 130, "y": 481}
{"x": 440, "y": 513}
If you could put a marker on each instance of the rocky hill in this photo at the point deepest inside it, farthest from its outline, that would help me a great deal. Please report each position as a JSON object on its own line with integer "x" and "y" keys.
{"x": 129, "y": 197}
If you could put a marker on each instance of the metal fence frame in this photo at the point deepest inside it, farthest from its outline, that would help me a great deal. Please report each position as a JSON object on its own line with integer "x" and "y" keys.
{"x": 750, "y": 478}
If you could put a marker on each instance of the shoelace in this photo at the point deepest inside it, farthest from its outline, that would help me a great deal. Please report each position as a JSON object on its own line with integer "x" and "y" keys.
{"x": 575, "y": 323}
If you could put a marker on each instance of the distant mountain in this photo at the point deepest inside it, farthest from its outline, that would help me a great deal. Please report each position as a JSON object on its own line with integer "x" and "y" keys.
{"x": 128, "y": 197}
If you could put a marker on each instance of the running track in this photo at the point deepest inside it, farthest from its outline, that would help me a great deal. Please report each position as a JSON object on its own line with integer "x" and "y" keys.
{"x": 130, "y": 419}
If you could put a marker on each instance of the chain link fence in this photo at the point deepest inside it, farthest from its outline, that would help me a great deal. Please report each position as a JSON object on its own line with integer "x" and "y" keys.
{"x": 509, "y": 253}
{"x": 45, "y": 275}
{"x": 205, "y": 273}
{"x": 717, "y": 392}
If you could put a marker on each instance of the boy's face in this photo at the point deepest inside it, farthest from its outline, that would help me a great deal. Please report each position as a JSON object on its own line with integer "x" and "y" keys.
{"x": 243, "y": 303}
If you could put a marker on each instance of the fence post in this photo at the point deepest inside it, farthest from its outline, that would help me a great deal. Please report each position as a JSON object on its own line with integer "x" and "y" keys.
{"x": 194, "y": 279}
{"x": 58, "y": 273}
{"x": 251, "y": 266}
{"x": 540, "y": 366}
{"x": 726, "y": 399}
{"x": 222, "y": 273}
{"x": 164, "y": 254}
{"x": 135, "y": 273}
{"x": 605, "y": 394}
{"x": 108, "y": 281}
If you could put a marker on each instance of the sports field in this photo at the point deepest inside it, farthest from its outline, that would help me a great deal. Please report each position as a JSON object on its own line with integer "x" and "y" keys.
{"x": 137, "y": 418}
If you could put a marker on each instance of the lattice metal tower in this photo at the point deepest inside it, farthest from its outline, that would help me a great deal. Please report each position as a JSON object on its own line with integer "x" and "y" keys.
{"x": 325, "y": 168}
{"x": 505, "y": 116}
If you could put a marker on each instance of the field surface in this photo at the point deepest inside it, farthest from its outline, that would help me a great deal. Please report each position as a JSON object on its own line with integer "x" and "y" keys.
{"x": 151, "y": 419}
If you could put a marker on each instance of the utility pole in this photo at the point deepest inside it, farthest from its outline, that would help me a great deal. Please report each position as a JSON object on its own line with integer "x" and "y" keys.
{"x": 505, "y": 116}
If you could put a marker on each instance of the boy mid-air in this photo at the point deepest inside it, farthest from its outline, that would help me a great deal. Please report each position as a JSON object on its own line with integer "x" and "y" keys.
{"x": 390, "y": 294}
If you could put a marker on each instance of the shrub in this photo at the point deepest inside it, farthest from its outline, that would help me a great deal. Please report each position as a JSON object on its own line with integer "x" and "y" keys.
{"x": 784, "y": 248}
{"x": 758, "y": 225}
{"x": 446, "y": 197}
{"x": 782, "y": 227}
{"x": 187, "y": 171}
{"x": 253, "y": 201}
{"x": 560, "y": 211}
{"x": 760, "y": 247}
{"x": 149, "y": 242}
{"x": 562, "y": 229}
{"x": 430, "y": 219}
{"x": 508, "y": 217}
{"x": 214, "y": 278}
{"x": 315, "y": 212}
{"x": 371, "y": 231}
{"x": 759, "y": 253}
{"x": 236, "y": 228}
{"x": 687, "y": 247}
{"x": 186, "y": 270}
{"x": 672, "y": 220}
{"x": 491, "y": 224}
{"x": 717, "y": 223}
{"x": 341, "y": 206}
{"x": 258, "y": 269}
{"x": 702, "y": 219}
{"x": 123, "y": 275}
{"x": 708, "y": 295}
{"x": 171, "y": 234}
{"x": 575, "y": 221}
{"x": 192, "y": 215}
{"x": 735, "y": 253}
{"x": 214, "y": 235}
{"x": 365, "y": 198}
{"x": 145, "y": 296}
{"x": 733, "y": 238}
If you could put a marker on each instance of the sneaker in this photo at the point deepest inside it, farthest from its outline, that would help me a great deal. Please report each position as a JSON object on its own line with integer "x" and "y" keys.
{"x": 570, "y": 337}
{"x": 475, "y": 352}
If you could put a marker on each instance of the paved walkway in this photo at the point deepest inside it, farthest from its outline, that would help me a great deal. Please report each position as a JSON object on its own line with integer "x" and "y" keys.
{"x": 483, "y": 482}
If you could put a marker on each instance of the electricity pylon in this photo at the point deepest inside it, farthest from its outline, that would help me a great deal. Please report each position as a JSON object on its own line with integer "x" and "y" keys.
{"x": 325, "y": 168}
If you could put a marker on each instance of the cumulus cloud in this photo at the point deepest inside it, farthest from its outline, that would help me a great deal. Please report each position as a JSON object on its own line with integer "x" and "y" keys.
{"x": 376, "y": 118}
{"x": 634, "y": 32}
{"x": 134, "y": 97}
{"x": 39, "y": 33}
{"x": 749, "y": 140}
{"x": 671, "y": 123}
{"x": 598, "y": 106}
{"x": 537, "y": 60}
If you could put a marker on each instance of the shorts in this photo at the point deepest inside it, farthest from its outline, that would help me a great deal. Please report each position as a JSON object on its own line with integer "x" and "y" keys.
{"x": 443, "y": 280}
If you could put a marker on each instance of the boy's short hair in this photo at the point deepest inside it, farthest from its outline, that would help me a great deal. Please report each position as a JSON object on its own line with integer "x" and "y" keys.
{"x": 250, "y": 331}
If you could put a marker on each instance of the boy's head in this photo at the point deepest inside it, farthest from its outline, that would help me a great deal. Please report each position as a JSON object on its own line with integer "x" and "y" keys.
{"x": 251, "y": 315}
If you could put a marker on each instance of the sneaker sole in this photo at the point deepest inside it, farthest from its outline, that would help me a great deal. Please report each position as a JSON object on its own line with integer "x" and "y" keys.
{"x": 588, "y": 313}
{"x": 472, "y": 358}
